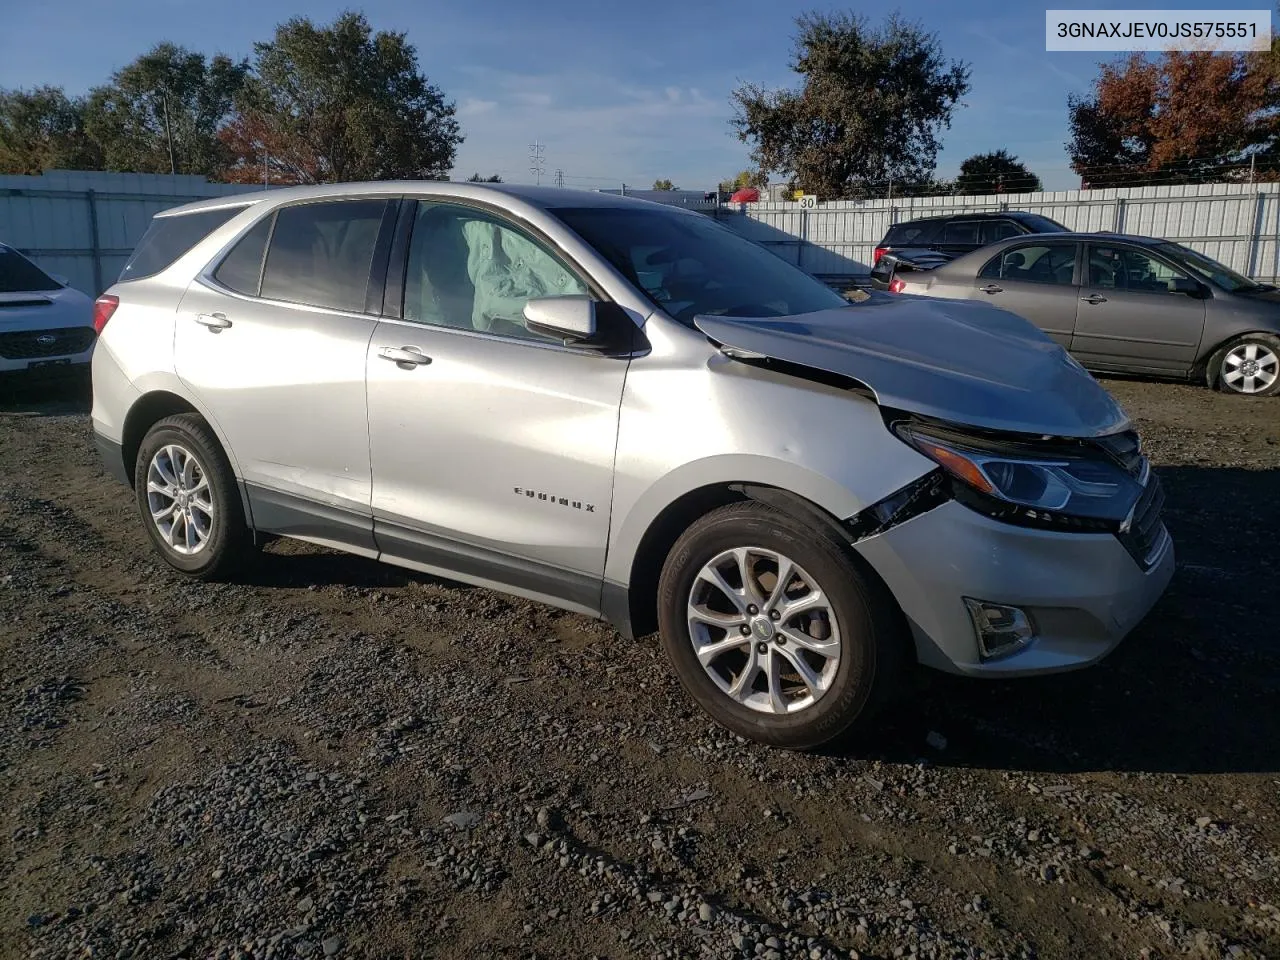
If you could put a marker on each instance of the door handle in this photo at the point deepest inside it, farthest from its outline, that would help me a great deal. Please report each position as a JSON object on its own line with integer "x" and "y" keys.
{"x": 992, "y": 288}
{"x": 1094, "y": 298}
{"x": 408, "y": 356}
{"x": 214, "y": 321}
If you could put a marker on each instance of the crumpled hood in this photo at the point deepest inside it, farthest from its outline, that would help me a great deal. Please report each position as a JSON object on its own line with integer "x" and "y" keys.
{"x": 949, "y": 359}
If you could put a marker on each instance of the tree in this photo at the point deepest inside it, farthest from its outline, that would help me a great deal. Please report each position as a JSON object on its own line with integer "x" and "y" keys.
{"x": 42, "y": 129}
{"x": 162, "y": 113}
{"x": 1185, "y": 117}
{"x": 745, "y": 178}
{"x": 663, "y": 185}
{"x": 996, "y": 172}
{"x": 340, "y": 102}
{"x": 868, "y": 111}
{"x": 476, "y": 178}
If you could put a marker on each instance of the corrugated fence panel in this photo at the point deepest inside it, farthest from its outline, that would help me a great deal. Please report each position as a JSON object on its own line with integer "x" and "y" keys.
{"x": 1238, "y": 224}
{"x": 51, "y": 217}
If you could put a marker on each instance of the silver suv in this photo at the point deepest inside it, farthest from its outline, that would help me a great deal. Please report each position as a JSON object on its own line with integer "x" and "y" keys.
{"x": 627, "y": 410}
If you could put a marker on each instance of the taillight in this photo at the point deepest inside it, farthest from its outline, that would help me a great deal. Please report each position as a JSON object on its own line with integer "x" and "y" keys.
{"x": 880, "y": 252}
{"x": 897, "y": 285}
{"x": 103, "y": 308}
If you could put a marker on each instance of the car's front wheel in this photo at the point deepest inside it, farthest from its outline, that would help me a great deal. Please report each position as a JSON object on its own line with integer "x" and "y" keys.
{"x": 775, "y": 629}
{"x": 1249, "y": 366}
{"x": 187, "y": 496}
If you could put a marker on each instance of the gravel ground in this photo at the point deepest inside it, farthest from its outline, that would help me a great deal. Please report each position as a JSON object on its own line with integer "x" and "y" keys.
{"x": 338, "y": 758}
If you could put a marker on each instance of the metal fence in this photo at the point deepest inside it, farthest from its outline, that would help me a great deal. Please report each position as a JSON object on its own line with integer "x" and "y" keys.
{"x": 83, "y": 225}
{"x": 1236, "y": 224}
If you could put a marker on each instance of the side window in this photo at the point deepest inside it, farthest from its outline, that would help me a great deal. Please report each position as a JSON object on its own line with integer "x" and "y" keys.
{"x": 994, "y": 230}
{"x": 962, "y": 231}
{"x": 470, "y": 270}
{"x": 1034, "y": 263}
{"x": 168, "y": 238}
{"x": 902, "y": 234}
{"x": 320, "y": 253}
{"x": 1125, "y": 268}
{"x": 241, "y": 269}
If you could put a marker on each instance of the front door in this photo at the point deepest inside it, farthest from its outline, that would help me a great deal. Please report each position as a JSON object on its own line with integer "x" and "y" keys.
{"x": 492, "y": 447}
{"x": 1129, "y": 318}
{"x": 274, "y": 345}
{"x": 1036, "y": 281}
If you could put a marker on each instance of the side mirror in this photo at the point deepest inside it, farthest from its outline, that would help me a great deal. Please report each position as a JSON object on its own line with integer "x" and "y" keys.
{"x": 571, "y": 318}
{"x": 1191, "y": 288}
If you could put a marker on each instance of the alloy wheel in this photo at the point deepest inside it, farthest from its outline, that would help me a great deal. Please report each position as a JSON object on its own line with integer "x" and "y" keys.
{"x": 763, "y": 630}
{"x": 180, "y": 499}
{"x": 1250, "y": 368}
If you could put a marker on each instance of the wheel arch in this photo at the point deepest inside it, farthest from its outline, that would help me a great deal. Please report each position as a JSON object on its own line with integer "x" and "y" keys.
{"x": 1212, "y": 358}
{"x": 633, "y": 608}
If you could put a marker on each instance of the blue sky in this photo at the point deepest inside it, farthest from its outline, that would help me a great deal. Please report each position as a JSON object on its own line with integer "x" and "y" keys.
{"x": 617, "y": 92}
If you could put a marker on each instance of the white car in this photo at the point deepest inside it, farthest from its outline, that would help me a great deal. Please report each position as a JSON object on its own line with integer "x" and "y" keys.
{"x": 45, "y": 325}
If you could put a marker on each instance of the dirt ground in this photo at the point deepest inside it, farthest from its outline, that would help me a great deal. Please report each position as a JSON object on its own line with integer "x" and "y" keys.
{"x": 337, "y": 758}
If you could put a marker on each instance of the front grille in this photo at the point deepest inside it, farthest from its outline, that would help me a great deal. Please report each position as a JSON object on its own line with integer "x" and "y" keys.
{"x": 33, "y": 344}
{"x": 1146, "y": 531}
{"x": 1124, "y": 448}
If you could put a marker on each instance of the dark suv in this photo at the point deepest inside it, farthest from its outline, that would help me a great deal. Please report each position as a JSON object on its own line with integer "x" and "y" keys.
{"x": 929, "y": 242}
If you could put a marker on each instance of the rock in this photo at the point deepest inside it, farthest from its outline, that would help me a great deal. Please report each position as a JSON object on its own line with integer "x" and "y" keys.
{"x": 463, "y": 819}
{"x": 936, "y": 740}
{"x": 305, "y": 905}
{"x": 331, "y": 946}
{"x": 655, "y": 896}
{"x": 1203, "y": 822}
{"x": 706, "y": 913}
{"x": 1048, "y": 873}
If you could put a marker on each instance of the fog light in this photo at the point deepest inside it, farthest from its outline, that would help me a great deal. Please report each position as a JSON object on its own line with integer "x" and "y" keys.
{"x": 1001, "y": 630}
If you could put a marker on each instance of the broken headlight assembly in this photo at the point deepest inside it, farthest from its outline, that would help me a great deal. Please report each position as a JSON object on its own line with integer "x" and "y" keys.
{"x": 1054, "y": 483}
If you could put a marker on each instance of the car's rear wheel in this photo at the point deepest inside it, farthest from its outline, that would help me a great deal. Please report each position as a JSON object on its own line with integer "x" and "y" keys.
{"x": 775, "y": 628}
{"x": 187, "y": 496}
{"x": 1249, "y": 366}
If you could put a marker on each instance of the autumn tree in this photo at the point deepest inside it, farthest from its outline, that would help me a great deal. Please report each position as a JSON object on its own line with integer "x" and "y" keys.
{"x": 745, "y": 178}
{"x": 162, "y": 113}
{"x": 869, "y": 109}
{"x": 43, "y": 129}
{"x": 1186, "y": 117}
{"x": 340, "y": 102}
{"x": 996, "y": 172}
{"x": 663, "y": 185}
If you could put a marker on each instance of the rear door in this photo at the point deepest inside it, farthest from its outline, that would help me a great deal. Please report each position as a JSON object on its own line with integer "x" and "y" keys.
{"x": 272, "y": 341}
{"x": 1036, "y": 280}
{"x": 1129, "y": 318}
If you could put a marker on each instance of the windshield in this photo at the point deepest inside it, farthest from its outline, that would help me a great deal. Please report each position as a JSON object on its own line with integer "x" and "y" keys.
{"x": 1209, "y": 269}
{"x": 689, "y": 265}
{"x": 20, "y": 275}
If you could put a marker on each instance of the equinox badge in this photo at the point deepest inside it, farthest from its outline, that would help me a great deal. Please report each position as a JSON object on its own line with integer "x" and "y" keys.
{"x": 558, "y": 501}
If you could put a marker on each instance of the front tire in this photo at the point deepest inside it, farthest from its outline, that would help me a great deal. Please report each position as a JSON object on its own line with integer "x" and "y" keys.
{"x": 776, "y": 629}
{"x": 1249, "y": 366}
{"x": 188, "y": 498}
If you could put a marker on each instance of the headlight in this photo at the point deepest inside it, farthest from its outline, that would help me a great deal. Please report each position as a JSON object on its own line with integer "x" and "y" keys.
{"x": 1059, "y": 483}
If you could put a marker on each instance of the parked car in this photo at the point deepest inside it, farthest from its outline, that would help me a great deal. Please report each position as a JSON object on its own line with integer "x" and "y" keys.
{"x": 627, "y": 410}
{"x": 1127, "y": 304}
{"x": 928, "y": 242}
{"x": 45, "y": 325}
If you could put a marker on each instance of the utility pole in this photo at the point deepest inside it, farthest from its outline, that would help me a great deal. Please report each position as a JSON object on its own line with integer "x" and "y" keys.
{"x": 168, "y": 131}
{"x": 1253, "y": 159}
{"x": 537, "y": 161}
{"x": 559, "y": 178}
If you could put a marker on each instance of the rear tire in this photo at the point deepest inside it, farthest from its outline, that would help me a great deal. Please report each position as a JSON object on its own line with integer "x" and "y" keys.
{"x": 1248, "y": 366}
{"x": 188, "y": 498}
{"x": 820, "y": 652}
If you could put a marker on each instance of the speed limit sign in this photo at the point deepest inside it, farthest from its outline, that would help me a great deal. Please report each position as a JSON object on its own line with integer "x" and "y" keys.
{"x": 808, "y": 201}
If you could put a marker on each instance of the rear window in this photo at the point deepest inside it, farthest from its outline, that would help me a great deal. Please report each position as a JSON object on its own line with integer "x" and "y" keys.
{"x": 1038, "y": 224}
{"x": 902, "y": 234}
{"x": 168, "y": 238}
{"x": 962, "y": 231}
{"x": 320, "y": 253}
{"x": 241, "y": 269}
{"x": 20, "y": 275}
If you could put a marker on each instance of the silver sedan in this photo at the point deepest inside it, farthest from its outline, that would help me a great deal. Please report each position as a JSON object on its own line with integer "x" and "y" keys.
{"x": 1127, "y": 304}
